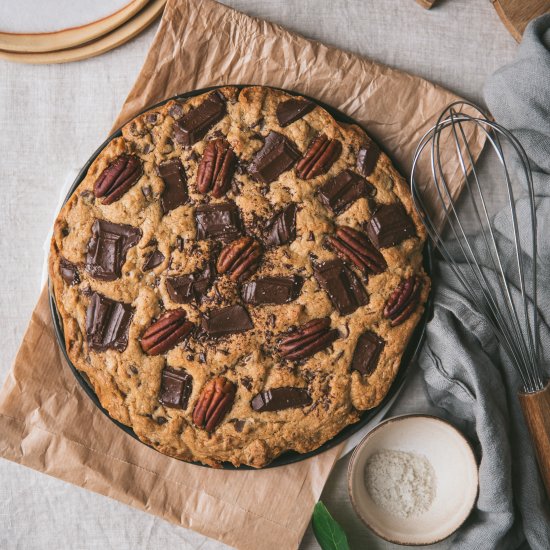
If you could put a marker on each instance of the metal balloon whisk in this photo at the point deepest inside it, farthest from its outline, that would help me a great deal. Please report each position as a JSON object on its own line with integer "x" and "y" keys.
{"x": 498, "y": 274}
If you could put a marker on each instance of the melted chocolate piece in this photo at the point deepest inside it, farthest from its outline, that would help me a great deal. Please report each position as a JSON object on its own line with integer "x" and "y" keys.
{"x": 154, "y": 259}
{"x": 107, "y": 249}
{"x": 188, "y": 288}
{"x": 278, "y": 399}
{"x": 227, "y": 320}
{"x": 196, "y": 123}
{"x": 367, "y": 352}
{"x": 69, "y": 272}
{"x": 107, "y": 323}
{"x": 281, "y": 228}
{"x": 389, "y": 226}
{"x": 367, "y": 158}
{"x": 272, "y": 290}
{"x": 342, "y": 286}
{"x": 276, "y": 156}
{"x": 291, "y": 110}
{"x": 175, "y": 185}
{"x": 218, "y": 221}
{"x": 339, "y": 192}
{"x": 175, "y": 388}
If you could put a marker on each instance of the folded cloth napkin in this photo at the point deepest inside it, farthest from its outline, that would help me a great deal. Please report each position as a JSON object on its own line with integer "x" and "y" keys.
{"x": 465, "y": 369}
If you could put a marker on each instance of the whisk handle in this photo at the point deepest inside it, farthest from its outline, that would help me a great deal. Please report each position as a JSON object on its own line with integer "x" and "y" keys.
{"x": 536, "y": 409}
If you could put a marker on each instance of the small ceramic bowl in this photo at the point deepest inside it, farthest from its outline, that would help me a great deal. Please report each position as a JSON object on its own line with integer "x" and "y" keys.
{"x": 455, "y": 471}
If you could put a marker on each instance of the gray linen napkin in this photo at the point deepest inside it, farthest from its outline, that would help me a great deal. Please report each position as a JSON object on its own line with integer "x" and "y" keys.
{"x": 466, "y": 371}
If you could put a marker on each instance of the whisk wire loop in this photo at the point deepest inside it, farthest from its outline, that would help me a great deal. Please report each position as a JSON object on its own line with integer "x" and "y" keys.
{"x": 488, "y": 272}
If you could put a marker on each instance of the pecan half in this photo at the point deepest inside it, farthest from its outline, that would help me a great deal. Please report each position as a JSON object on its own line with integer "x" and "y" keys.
{"x": 308, "y": 339}
{"x": 403, "y": 301}
{"x": 240, "y": 258}
{"x": 355, "y": 247}
{"x": 214, "y": 402}
{"x": 216, "y": 168}
{"x": 166, "y": 332}
{"x": 117, "y": 178}
{"x": 320, "y": 156}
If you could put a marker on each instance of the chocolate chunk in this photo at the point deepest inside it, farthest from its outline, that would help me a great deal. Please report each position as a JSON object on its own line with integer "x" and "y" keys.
{"x": 175, "y": 111}
{"x": 389, "y": 226}
{"x": 342, "y": 286}
{"x": 108, "y": 247}
{"x": 291, "y": 110}
{"x": 272, "y": 290}
{"x": 276, "y": 156}
{"x": 175, "y": 388}
{"x": 367, "y": 158}
{"x": 147, "y": 191}
{"x": 196, "y": 123}
{"x": 227, "y": 320}
{"x": 367, "y": 352}
{"x": 175, "y": 185}
{"x": 339, "y": 192}
{"x": 278, "y": 399}
{"x": 69, "y": 272}
{"x": 179, "y": 243}
{"x": 188, "y": 288}
{"x": 218, "y": 221}
{"x": 281, "y": 228}
{"x": 87, "y": 196}
{"x": 107, "y": 323}
{"x": 154, "y": 259}
{"x": 239, "y": 425}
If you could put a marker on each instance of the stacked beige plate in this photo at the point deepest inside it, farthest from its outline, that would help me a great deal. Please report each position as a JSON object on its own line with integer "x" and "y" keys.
{"x": 58, "y": 31}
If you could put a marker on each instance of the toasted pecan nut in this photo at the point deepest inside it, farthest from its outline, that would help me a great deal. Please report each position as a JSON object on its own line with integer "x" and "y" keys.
{"x": 216, "y": 168}
{"x": 403, "y": 301}
{"x": 117, "y": 178}
{"x": 214, "y": 402}
{"x": 320, "y": 156}
{"x": 355, "y": 247}
{"x": 166, "y": 332}
{"x": 308, "y": 339}
{"x": 240, "y": 258}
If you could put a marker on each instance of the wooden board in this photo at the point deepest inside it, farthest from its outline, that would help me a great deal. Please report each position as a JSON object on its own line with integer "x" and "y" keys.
{"x": 101, "y": 45}
{"x": 69, "y": 37}
{"x": 516, "y": 14}
{"x": 426, "y": 3}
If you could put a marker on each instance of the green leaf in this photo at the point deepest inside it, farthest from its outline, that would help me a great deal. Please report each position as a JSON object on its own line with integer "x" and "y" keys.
{"x": 327, "y": 530}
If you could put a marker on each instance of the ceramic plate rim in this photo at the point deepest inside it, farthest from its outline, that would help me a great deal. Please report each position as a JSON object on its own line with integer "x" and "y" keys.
{"x": 70, "y": 37}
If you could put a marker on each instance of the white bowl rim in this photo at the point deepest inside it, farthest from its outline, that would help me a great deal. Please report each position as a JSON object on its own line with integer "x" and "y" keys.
{"x": 362, "y": 443}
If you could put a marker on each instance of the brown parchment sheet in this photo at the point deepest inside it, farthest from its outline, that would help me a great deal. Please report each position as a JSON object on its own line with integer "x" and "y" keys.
{"x": 48, "y": 423}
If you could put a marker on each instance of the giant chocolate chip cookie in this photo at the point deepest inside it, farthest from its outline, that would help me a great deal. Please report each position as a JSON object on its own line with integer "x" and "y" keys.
{"x": 238, "y": 275}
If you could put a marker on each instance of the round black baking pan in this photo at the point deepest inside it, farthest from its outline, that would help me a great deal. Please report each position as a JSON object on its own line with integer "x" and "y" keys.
{"x": 289, "y": 457}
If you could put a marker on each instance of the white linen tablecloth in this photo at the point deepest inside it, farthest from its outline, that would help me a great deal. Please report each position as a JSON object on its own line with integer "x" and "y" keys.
{"x": 53, "y": 117}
